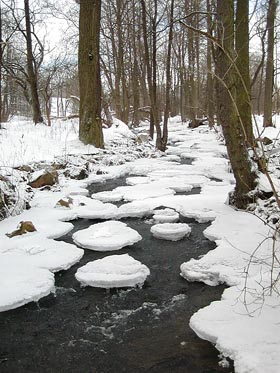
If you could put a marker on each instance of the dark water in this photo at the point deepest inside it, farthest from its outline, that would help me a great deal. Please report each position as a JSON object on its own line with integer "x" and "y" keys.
{"x": 138, "y": 330}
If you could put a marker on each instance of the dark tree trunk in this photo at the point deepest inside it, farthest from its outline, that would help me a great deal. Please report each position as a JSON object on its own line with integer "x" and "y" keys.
{"x": 32, "y": 73}
{"x": 210, "y": 104}
{"x": 234, "y": 136}
{"x": 1, "y": 108}
{"x": 151, "y": 72}
{"x": 168, "y": 80}
{"x": 243, "y": 88}
{"x": 90, "y": 130}
{"x": 269, "y": 70}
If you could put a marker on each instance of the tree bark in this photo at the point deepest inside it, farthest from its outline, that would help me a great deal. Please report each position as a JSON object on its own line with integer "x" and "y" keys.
{"x": 243, "y": 98}
{"x": 226, "y": 94}
{"x": 32, "y": 74}
{"x": 90, "y": 128}
{"x": 168, "y": 79}
{"x": 269, "y": 70}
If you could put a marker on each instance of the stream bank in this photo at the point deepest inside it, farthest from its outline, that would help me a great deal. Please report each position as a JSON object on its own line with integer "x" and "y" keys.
{"x": 126, "y": 330}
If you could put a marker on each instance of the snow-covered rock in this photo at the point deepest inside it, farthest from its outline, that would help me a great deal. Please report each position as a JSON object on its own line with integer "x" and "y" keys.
{"x": 171, "y": 231}
{"x": 165, "y": 216}
{"x": 107, "y": 236}
{"x": 112, "y": 272}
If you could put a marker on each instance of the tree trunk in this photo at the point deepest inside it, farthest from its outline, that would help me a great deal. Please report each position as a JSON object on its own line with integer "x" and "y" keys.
{"x": 168, "y": 80}
{"x": 90, "y": 129}
{"x": 243, "y": 86}
{"x": 1, "y": 108}
{"x": 210, "y": 105}
{"x": 234, "y": 137}
{"x": 151, "y": 73}
{"x": 269, "y": 70}
{"x": 32, "y": 74}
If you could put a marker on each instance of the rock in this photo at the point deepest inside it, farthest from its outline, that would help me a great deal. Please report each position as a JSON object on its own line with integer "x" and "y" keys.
{"x": 65, "y": 202}
{"x": 24, "y": 227}
{"x": 267, "y": 141}
{"x": 24, "y": 168}
{"x": 142, "y": 138}
{"x": 47, "y": 178}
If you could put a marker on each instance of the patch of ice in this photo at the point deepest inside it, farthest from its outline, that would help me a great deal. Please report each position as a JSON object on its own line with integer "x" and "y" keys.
{"x": 107, "y": 236}
{"x": 113, "y": 271}
{"x": 171, "y": 231}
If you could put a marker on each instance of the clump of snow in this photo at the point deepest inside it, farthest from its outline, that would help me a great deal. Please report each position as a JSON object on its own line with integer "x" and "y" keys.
{"x": 113, "y": 271}
{"x": 171, "y": 231}
{"x": 107, "y": 236}
{"x": 165, "y": 216}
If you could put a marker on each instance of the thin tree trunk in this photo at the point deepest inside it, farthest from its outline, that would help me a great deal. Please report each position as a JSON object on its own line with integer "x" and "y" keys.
{"x": 168, "y": 79}
{"x": 210, "y": 105}
{"x": 32, "y": 75}
{"x": 269, "y": 70}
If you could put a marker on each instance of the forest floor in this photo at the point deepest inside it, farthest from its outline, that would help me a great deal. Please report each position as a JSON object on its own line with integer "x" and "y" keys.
{"x": 244, "y": 324}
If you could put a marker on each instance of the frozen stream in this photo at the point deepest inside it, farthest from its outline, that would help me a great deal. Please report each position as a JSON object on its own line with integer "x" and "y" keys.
{"x": 94, "y": 330}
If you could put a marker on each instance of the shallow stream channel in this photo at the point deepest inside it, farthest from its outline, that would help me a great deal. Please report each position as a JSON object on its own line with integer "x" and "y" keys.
{"x": 88, "y": 330}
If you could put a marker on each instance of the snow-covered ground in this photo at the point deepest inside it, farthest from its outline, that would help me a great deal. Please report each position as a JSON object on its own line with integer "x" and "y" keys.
{"x": 245, "y": 324}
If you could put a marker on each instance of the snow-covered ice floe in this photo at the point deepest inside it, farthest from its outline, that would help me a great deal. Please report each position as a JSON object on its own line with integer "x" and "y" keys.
{"x": 22, "y": 283}
{"x": 39, "y": 251}
{"x": 113, "y": 271}
{"x": 108, "y": 196}
{"x": 107, "y": 236}
{"x": 135, "y": 209}
{"x": 165, "y": 216}
{"x": 26, "y": 266}
{"x": 88, "y": 208}
{"x": 171, "y": 231}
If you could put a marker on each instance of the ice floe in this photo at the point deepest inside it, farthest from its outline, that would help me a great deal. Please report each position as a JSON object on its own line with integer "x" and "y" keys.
{"x": 171, "y": 231}
{"x": 107, "y": 236}
{"x": 22, "y": 283}
{"x": 112, "y": 272}
{"x": 165, "y": 216}
{"x": 89, "y": 208}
